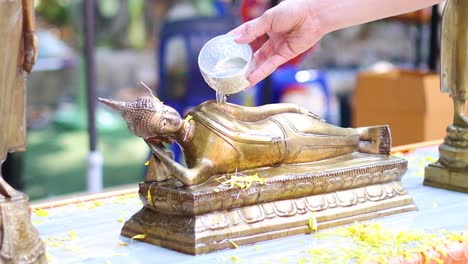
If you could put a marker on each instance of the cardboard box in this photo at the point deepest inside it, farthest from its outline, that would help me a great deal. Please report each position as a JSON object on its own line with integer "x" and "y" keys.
{"x": 410, "y": 102}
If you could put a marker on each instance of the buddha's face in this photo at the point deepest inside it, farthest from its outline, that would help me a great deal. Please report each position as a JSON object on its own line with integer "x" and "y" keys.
{"x": 166, "y": 121}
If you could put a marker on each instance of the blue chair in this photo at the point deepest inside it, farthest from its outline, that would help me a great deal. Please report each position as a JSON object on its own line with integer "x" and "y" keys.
{"x": 194, "y": 32}
{"x": 309, "y": 85}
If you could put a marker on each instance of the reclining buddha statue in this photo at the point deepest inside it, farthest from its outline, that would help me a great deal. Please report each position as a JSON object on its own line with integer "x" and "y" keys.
{"x": 224, "y": 138}
{"x": 297, "y": 163}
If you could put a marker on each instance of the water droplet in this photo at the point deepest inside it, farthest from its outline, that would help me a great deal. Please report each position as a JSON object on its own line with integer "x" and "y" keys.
{"x": 220, "y": 97}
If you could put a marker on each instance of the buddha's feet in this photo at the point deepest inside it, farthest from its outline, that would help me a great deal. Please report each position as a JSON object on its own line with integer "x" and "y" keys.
{"x": 457, "y": 136}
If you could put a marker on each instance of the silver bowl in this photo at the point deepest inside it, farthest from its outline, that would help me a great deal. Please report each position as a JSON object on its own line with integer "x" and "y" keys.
{"x": 225, "y": 64}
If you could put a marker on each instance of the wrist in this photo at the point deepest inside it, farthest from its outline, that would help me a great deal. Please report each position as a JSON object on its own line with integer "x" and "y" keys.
{"x": 317, "y": 10}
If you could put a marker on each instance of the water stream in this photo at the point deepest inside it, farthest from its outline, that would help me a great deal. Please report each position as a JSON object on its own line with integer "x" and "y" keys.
{"x": 225, "y": 68}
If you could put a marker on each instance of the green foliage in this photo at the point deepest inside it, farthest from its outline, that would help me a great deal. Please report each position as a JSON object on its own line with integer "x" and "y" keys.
{"x": 136, "y": 29}
{"x": 55, "y": 12}
{"x": 55, "y": 161}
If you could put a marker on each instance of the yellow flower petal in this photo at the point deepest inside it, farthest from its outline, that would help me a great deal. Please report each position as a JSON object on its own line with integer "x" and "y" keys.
{"x": 72, "y": 235}
{"x": 140, "y": 236}
{"x": 313, "y": 222}
{"x": 234, "y": 244}
{"x": 150, "y": 198}
{"x": 49, "y": 257}
{"x": 41, "y": 212}
{"x": 235, "y": 258}
{"x": 241, "y": 182}
{"x": 74, "y": 249}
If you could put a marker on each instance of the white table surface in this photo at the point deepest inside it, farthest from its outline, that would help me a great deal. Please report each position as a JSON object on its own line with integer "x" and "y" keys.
{"x": 89, "y": 232}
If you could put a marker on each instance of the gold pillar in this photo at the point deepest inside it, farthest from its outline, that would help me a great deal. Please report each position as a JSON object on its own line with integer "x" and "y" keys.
{"x": 451, "y": 170}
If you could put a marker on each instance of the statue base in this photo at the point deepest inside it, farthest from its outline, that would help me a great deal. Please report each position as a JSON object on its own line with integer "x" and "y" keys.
{"x": 252, "y": 224}
{"x": 20, "y": 240}
{"x": 437, "y": 175}
{"x": 337, "y": 191}
{"x": 451, "y": 170}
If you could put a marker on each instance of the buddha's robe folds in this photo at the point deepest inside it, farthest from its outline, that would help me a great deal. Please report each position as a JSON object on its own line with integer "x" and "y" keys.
{"x": 12, "y": 87}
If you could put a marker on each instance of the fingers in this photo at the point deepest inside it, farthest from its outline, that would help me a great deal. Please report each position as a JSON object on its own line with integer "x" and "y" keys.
{"x": 266, "y": 68}
{"x": 265, "y": 51}
{"x": 267, "y": 59}
{"x": 251, "y": 30}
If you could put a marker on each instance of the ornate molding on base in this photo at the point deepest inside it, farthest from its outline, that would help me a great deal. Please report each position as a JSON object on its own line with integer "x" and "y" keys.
{"x": 255, "y": 223}
{"x": 285, "y": 182}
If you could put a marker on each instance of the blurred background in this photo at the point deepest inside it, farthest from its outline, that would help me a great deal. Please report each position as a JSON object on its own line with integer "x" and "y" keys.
{"x": 157, "y": 42}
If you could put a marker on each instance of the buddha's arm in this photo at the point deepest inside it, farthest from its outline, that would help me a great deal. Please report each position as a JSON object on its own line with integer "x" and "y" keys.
{"x": 30, "y": 41}
{"x": 252, "y": 114}
{"x": 188, "y": 177}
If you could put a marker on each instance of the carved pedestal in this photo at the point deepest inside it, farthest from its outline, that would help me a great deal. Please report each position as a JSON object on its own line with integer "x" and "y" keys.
{"x": 451, "y": 170}
{"x": 337, "y": 191}
{"x": 437, "y": 175}
{"x": 20, "y": 242}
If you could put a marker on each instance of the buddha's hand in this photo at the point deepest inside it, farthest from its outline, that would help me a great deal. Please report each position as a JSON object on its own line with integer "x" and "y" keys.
{"x": 293, "y": 27}
{"x": 29, "y": 51}
{"x": 307, "y": 112}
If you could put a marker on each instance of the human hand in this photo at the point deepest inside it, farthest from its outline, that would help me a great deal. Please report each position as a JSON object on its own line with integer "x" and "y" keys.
{"x": 292, "y": 28}
{"x": 29, "y": 51}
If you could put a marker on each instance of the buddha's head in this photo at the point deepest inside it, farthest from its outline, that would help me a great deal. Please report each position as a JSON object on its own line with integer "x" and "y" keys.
{"x": 148, "y": 117}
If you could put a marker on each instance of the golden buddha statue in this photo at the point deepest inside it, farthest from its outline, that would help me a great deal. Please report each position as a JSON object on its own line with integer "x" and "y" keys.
{"x": 454, "y": 57}
{"x": 20, "y": 242}
{"x": 302, "y": 165}
{"x": 224, "y": 138}
{"x": 451, "y": 170}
